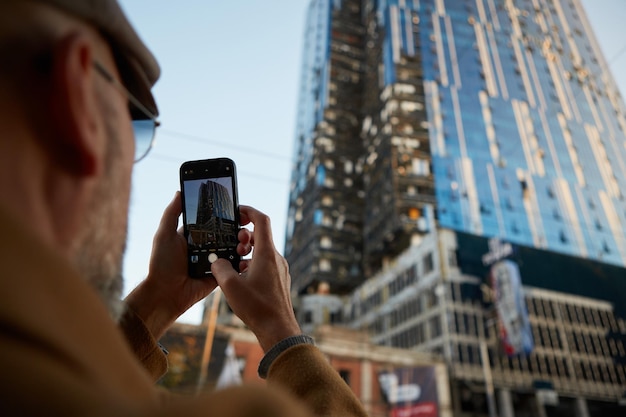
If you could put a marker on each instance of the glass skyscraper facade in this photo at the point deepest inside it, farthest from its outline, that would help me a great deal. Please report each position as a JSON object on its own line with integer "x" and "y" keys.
{"x": 490, "y": 117}
{"x": 526, "y": 125}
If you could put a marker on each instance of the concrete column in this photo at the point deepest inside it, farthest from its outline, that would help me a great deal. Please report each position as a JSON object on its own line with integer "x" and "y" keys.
{"x": 541, "y": 410}
{"x": 366, "y": 385}
{"x": 505, "y": 403}
{"x": 489, "y": 391}
{"x": 581, "y": 407}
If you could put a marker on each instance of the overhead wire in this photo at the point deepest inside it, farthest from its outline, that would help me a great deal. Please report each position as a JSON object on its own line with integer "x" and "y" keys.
{"x": 208, "y": 141}
{"x": 155, "y": 154}
{"x": 169, "y": 159}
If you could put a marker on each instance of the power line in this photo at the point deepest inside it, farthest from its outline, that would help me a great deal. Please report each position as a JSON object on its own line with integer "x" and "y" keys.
{"x": 169, "y": 159}
{"x": 617, "y": 55}
{"x": 224, "y": 144}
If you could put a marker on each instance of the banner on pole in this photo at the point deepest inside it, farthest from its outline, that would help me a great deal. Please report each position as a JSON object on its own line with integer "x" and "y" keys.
{"x": 513, "y": 322}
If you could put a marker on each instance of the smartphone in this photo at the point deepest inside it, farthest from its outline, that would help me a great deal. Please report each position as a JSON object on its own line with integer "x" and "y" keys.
{"x": 210, "y": 213}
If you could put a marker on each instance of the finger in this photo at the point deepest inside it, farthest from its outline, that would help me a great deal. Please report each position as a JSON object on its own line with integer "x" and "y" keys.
{"x": 243, "y": 217}
{"x": 244, "y": 247}
{"x": 243, "y": 250}
{"x": 244, "y": 236}
{"x": 244, "y": 264}
{"x": 225, "y": 275}
{"x": 169, "y": 219}
{"x": 262, "y": 228}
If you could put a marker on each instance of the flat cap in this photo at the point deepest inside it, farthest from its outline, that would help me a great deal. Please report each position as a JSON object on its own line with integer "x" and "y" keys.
{"x": 136, "y": 64}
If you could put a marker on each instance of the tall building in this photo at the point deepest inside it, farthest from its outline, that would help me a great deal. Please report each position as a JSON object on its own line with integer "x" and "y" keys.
{"x": 495, "y": 118}
{"x": 325, "y": 222}
{"x": 433, "y": 127}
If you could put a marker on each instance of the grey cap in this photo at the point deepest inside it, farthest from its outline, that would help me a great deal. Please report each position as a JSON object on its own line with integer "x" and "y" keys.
{"x": 137, "y": 65}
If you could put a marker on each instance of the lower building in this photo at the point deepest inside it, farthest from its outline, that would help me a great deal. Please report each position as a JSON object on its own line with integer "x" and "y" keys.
{"x": 379, "y": 374}
{"x": 387, "y": 380}
{"x": 425, "y": 301}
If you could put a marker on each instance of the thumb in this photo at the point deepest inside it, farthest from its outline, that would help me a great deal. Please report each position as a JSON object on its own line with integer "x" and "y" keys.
{"x": 225, "y": 275}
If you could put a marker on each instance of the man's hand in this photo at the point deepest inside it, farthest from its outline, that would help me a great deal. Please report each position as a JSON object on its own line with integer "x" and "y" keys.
{"x": 260, "y": 295}
{"x": 168, "y": 291}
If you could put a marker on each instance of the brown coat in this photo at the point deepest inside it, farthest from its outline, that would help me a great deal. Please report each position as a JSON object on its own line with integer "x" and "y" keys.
{"x": 62, "y": 355}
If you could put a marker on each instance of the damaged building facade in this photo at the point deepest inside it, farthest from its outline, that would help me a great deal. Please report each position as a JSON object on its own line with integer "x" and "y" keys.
{"x": 425, "y": 129}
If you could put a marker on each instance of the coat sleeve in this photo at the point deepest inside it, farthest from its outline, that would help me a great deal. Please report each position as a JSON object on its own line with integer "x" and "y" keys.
{"x": 301, "y": 383}
{"x": 301, "y": 371}
{"x": 145, "y": 347}
{"x": 304, "y": 371}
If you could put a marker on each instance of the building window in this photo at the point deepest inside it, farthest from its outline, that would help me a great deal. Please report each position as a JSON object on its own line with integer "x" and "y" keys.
{"x": 435, "y": 327}
{"x": 452, "y": 257}
{"x": 473, "y": 355}
{"x": 318, "y": 216}
{"x": 345, "y": 375}
{"x": 324, "y": 265}
{"x": 548, "y": 310}
{"x": 428, "y": 263}
{"x": 308, "y": 317}
{"x": 321, "y": 175}
{"x": 598, "y": 224}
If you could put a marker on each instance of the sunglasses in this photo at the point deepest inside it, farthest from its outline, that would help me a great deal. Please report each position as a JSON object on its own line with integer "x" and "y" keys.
{"x": 143, "y": 120}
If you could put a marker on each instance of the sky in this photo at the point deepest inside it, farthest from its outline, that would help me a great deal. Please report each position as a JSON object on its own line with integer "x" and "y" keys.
{"x": 229, "y": 88}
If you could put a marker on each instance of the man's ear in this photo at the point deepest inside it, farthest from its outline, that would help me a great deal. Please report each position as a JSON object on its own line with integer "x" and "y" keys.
{"x": 73, "y": 106}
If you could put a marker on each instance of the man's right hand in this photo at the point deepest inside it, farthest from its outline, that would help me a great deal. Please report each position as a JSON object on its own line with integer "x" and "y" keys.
{"x": 260, "y": 294}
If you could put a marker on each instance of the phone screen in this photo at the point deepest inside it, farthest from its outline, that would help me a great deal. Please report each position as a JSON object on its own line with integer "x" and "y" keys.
{"x": 210, "y": 213}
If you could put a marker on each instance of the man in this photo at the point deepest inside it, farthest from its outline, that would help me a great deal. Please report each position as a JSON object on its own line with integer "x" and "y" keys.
{"x": 70, "y": 72}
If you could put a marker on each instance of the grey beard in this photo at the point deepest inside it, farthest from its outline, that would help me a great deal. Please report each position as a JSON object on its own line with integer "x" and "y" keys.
{"x": 100, "y": 262}
{"x": 99, "y": 259}
{"x": 110, "y": 292}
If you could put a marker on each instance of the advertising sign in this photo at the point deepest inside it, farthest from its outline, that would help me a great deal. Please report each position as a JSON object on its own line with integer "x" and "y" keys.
{"x": 411, "y": 392}
{"x": 513, "y": 323}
